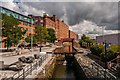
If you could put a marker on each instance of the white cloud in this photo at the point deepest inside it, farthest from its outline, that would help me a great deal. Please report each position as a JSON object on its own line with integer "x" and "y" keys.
{"x": 9, "y": 5}
{"x": 22, "y": 8}
{"x": 83, "y": 27}
{"x": 91, "y": 29}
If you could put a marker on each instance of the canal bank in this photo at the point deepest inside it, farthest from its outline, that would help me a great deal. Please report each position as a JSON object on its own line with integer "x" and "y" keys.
{"x": 67, "y": 67}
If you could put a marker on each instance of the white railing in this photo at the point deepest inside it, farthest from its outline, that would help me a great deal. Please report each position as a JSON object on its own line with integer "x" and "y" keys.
{"x": 27, "y": 70}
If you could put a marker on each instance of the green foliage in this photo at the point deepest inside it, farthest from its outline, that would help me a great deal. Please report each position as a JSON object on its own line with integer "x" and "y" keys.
{"x": 108, "y": 56}
{"x": 85, "y": 41}
{"x": 9, "y": 21}
{"x": 110, "y": 53}
{"x": 41, "y": 33}
{"x": 27, "y": 39}
{"x": 97, "y": 49}
{"x": 115, "y": 48}
{"x": 10, "y": 30}
{"x": 51, "y": 36}
{"x": 34, "y": 39}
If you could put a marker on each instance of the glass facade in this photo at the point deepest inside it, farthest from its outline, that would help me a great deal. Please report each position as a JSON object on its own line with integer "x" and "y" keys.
{"x": 16, "y": 15}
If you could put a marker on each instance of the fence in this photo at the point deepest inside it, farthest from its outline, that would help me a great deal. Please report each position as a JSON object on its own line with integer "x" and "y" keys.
{"x": 27, "y": 70}
{"x": 101, "y": 72}
{"x": 94, "y": 70}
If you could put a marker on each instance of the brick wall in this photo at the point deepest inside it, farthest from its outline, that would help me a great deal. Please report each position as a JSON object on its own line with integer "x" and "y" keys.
{"x": 63, "y": 30}
{"x": 73, "y": 35}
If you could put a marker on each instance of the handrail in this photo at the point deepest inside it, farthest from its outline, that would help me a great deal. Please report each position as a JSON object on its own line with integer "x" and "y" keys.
{"x": 95, "y": 70}
{"x": 105, "y": 71}
{"x": 28, "y": 69}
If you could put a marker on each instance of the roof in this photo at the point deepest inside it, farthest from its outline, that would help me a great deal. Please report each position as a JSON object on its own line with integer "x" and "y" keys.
{"x": 14, "y": 12}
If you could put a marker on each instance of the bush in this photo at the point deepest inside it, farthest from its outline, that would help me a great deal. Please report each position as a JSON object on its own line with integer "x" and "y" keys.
{"x": 97, "y": 49}
{"x": 108, "y": 56}
{"x": 114, "y": 48}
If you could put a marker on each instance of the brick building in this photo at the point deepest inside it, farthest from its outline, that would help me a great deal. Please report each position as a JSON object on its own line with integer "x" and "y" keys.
{"x": 73, "y": 35}
{"x": 29, "y": 22}
{"x": 110, "y": 38}
{"x": 61, "y": 29}
{"x": 26, "y": 23}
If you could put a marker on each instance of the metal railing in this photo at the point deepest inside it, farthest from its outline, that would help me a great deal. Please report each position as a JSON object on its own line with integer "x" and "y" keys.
{"x": 27, "y": 70}
{"x": 94, "y": 70}
{"x": 101, "y": 72}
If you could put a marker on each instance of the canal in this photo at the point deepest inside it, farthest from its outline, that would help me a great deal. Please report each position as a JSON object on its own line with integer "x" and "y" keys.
{"x": 67, "y": 67}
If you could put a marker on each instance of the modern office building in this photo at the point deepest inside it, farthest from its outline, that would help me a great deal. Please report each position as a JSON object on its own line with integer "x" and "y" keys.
{"x": 26, "y": 23}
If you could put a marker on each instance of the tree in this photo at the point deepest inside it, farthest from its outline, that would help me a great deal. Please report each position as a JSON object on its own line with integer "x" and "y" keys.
{"x": 41, "y": 33}
{"x": 85, "y": 41}
{"x": 97, "y": 49}
{"x": 10, "y": 30}
{"x": 51, "y": 36}
{"x": 110, "y": 55}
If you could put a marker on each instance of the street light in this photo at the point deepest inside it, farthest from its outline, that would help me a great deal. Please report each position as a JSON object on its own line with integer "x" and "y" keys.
{"x": 106, "y": 46}
{"x": 37, "y": 22}
{"x": 40, "y": 39}
{"x": 104, "y": 43}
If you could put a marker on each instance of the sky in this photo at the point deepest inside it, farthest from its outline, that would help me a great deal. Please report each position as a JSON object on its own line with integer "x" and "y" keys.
{"x": 83, "y": 16}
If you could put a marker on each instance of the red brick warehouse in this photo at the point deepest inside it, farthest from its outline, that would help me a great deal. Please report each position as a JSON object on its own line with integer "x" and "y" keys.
{"x": 61, "y": 29}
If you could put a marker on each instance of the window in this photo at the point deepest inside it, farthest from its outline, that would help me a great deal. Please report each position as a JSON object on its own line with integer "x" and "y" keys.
{"x": 25, "y": 23}
{"x": 20, "y": 17}
{"x": 31, "y": 30}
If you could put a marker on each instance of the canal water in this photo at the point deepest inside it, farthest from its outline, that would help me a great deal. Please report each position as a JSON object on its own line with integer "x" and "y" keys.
{"x": 64, "y": 68}
{"x": 64, "y": 72}
{"x": 67, "y": 67}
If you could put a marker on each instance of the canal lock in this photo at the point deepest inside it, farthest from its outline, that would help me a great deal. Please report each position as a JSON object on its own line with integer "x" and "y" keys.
{"x": 63, "y": 66}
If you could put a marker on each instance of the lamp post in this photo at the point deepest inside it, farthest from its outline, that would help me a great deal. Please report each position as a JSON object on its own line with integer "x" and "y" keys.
{"x": 38, "y": 22}
{"x": 104, "y": 43}
{"x": 106, "y": 46}
{"x": 31, "y": 39}
{"x": 40, "y": 39}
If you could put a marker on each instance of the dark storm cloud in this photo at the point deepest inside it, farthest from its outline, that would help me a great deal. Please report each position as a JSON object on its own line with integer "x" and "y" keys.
{"x": 101, "y": 13}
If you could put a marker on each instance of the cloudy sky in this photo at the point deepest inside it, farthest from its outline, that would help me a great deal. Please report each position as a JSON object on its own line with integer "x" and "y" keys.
{"x": 82, "y": 17}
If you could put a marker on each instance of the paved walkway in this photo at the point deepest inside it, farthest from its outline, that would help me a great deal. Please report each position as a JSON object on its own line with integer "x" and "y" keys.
{"x": 13, "y": 59}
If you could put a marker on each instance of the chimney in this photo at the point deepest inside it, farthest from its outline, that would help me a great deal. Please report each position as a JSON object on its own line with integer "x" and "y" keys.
{"x": 44, "y": 15}
{"x": 54, "y": 17}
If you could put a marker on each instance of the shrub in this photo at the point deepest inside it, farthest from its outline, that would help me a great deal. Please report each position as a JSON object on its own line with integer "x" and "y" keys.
{"x": 114, "y": 48}
{"x": 97, "y": 49}
{"x": 108, "y": 56}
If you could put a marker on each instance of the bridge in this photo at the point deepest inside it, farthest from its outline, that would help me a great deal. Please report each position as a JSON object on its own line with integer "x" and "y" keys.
{"x": 65, "y": 40}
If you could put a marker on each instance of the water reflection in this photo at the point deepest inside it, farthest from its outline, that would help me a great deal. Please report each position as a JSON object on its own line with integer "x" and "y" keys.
{"x": 64, "y": 71}
{"x": 64, "y": 68}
